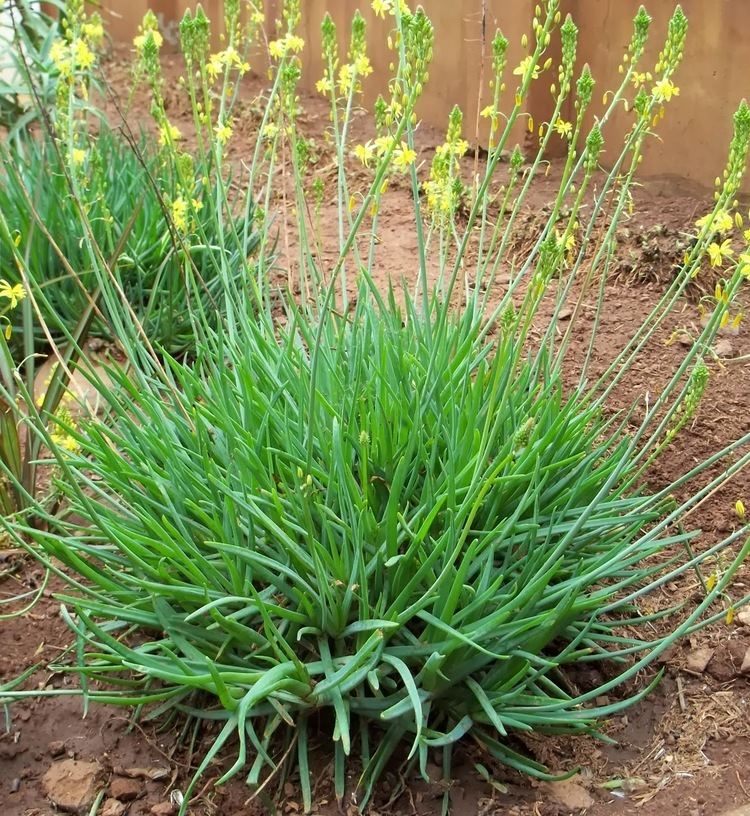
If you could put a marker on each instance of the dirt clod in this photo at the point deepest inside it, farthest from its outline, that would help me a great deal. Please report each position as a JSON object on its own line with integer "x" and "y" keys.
{"x": 745, "y": 668}
{"x": 569, "y": 794}
{"x": 71, "y": 784}
{"x": 125, "y": 789}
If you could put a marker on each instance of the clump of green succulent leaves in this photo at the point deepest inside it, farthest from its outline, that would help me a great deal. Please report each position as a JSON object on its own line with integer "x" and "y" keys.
{"x": 390, "y": 508}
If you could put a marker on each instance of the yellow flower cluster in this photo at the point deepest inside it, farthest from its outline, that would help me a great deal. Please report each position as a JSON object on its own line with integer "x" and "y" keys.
{"x": 140, "y": 40}
{"x": 444, "y": 189}
{"x": 351, "y": 73}
{"x": 723, "y": 223}
{"x": 722, "y": 299}
{"x": 181, "y": 210}
{"x": 228, "y": 58}
{"x": 168, "y": 134}
{"x": 402, "y": 157}
{"x": 289, "y": 44}
{"x": 61, "y": 436}
{"x": 383, "y": 7}
{"x": 69, "y": 57}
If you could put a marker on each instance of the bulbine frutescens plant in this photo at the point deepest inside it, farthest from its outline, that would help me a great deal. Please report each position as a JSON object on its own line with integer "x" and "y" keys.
{"x": 120, "y": 194}
{"x": 390, "y": 509}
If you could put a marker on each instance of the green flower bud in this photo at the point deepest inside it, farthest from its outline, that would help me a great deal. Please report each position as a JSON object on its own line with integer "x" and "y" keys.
{"x": 585, "y": 87}
{"x": 594, "y": 145}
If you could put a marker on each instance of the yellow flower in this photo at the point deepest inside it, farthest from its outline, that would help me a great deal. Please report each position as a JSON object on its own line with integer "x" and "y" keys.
{"x": 155, "y": 35}
{"x": 664, "y": 90}
{"x": 60, "y": 56}
{"x": 525, "y": 68}
{"x": 745, "y": 264}
{"x": 365, "y": 152}
{"x": 383, "y": 7}
{"x": 179, "y": 214}
{"x": 488, "y": 112}
{"x": 197, "y": 204}
{"x": 346, "y": 77}
{"x": 215, "y": 66}
{"x": 403, "y": 156}
{"x": 12, "y": 293}
{"x": 324, "y": 85}
{"x": 564, "y": 128}
{"x": 639, "y": 79}
{"x": 270, "y": 131}
{"x": 93, "y": 31}
{"x": 729, "y": 619}
{"x": 718, "y": 252}
{"x": 168, "y": 134}
{"x": 77, "y": 156}
{"x": 294, "y": 43}
{"x": 223, "y": 132}
{"x": 383, "y": 144}
{"x": 739, "y": 508}
{"x": 363, "y": 66}
{"x": 290, "y": 43}
{"x": 721, "y": 222}
{"x": 711, "y": 581}
{"x": 258, "y": 18}
{"x": 63, "y": 440}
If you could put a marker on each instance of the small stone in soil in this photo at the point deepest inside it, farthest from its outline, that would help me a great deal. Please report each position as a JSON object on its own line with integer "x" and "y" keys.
{"x": 125, "y": 789}
{"x": 113, "y": 807}
{"x": 698, "y": 659}
{"x": 15, "y": 785}
{"x": 56, "y": 748}
{"x": 163, "y": 809}
{"x": 746, "y": 663}
{"x": 724, "y": 348}
{"x": 71, "y": 785}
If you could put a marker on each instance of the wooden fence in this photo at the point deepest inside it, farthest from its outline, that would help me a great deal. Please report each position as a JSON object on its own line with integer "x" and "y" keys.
{"x": 714, "y": 77}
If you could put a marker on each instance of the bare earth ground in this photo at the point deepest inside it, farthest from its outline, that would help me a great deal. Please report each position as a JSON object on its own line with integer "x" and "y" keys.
{"x": 685, "y": 750}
